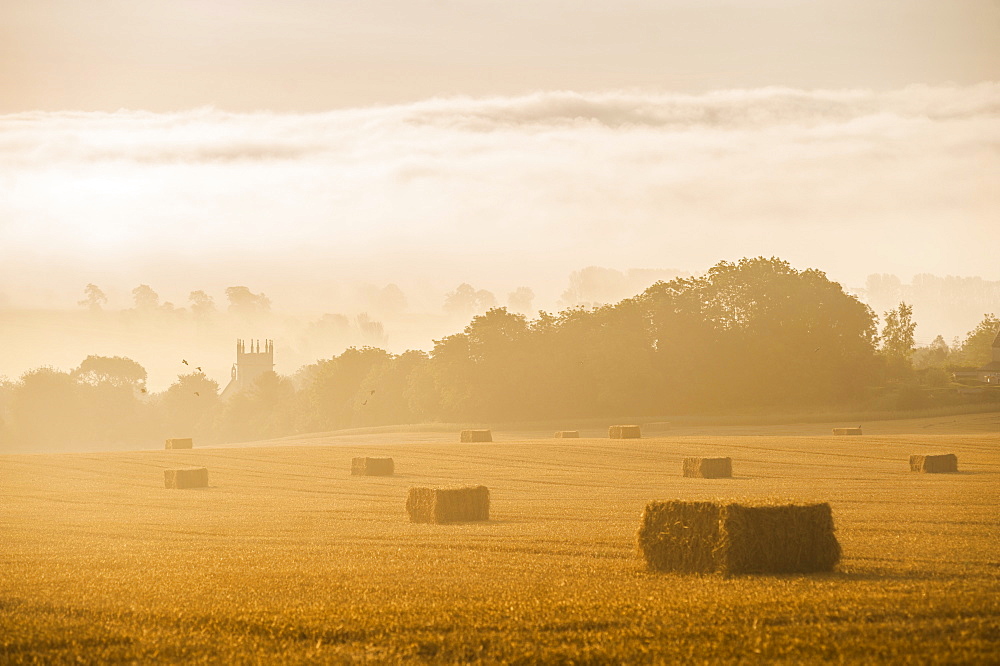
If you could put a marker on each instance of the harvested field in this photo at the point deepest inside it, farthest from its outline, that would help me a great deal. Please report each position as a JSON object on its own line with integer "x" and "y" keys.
{"x": 285, "y": 558}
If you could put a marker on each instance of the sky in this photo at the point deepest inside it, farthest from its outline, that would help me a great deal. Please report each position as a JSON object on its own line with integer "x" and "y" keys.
{"x": 283, "y": 144}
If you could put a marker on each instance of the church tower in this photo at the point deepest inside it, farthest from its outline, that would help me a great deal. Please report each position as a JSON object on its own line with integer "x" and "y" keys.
{"x": 250, "y": 364}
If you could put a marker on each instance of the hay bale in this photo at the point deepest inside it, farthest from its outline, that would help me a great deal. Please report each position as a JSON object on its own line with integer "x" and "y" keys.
{"x": 372, "y": 466}
{"x": 190, "y": 477}
{"x": 448, "y": 505}
{"x": 563, "y": 434}
{"x": 847, "y": 431}
{"x": 180, "y": 443}
{"x": 732, "y": 538}
{"x": 709, "y": 468}
{"x": 624, "y": 432}
{"x": 477, "y": 436}
{"x": 934, "y": 464}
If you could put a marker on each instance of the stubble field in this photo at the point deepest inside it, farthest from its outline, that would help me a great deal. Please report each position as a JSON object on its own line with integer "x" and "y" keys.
{"x": 288, "y": 558}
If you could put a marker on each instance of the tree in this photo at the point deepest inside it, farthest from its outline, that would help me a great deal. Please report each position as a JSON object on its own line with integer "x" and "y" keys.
{"x": 594, "y": 285}
{"x": 244, "y": 302}
{"x": 46, "y": 410}
{"x": 897, "y": 340}
{"x": 264, "y": 409}
{"x": 202, "y": 304}
{"x": 934, "y": 355}
{"x": 372, "y": 332}
{"x": 466, "y": 300}
{"x": 976, "y": 349}
{"x": 520, "y": 300}
{"x": 114, "y": 370}
{"x": 190, "y": 404}
{"x": 95, "y": 298}
{"x": 145, "y": 298}
{"x": 761, "y": 332}
{"x": 387, "y": 300}
{"x": 330, "y": 387}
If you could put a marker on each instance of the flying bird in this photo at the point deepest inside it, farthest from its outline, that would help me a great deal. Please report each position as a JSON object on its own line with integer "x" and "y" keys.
{"x": 184, "y": 361}
{"x": 143, "y": 390}
{"x": 364, "y": 403}
{"x": 199, "y": 369}
{"x": 197, "y": 394}
{"x": 372, "y": 392}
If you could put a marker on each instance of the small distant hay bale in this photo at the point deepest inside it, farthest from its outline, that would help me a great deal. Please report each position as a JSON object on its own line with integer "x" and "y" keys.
{"x": 372, "y": 466}
{"x": 477, "y": 436}
{"x": 624, "y": 432}
{"x": 934, "y": 464}
{"x": 448, "y": 505}
{"x": 563, "y": 434}
{"x": 847, "y": 431}
{"x": 731, "y": 538}
{"x": 190, "y": 477}
{"x": 180, "y": 443}
{"x": 709, "y": 468}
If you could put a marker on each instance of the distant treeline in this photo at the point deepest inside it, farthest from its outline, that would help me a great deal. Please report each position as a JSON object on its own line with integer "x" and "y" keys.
{"x": 753, "y": 335}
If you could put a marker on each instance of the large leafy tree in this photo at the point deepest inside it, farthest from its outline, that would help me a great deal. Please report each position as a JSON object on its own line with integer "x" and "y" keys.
{"x": 114, "y": 370}
{"x": 759, "y": 331}
{"x": 976, "y": 349}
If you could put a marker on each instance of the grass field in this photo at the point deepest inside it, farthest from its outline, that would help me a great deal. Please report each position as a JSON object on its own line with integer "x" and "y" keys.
{"x": 287, "y": 557}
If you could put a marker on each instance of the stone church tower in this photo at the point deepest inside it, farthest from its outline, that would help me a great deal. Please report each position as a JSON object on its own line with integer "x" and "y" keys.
{"x": 250, "y": 364}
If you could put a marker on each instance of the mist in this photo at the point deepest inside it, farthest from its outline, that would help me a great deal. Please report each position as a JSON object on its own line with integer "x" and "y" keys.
{"x": 460, "y": 189}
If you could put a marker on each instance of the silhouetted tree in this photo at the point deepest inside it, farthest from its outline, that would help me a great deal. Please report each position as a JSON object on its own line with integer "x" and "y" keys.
{"x": 190, "y": 405}
{"x": 372, "y": 332}
{"x": 976, "y": 350}
{"x": 520, "y": 300}
{"x": 114, "y": 370}
{"x": 466, "y": 300}
{"x": 145, "y": 298}
{"x": 390, "y": 299}
{"x": 94, "y": 299}
{"x": 244, "y": 302}
{"x": 202, "y": 305}
{"x": 897, "y": 341}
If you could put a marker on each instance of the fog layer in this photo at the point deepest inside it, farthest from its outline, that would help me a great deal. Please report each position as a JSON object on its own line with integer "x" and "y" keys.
{"x": 461, "y": 189}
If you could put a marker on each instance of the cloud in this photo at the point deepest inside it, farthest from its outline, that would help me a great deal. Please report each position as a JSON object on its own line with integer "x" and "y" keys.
{"x": 851, "y": 181}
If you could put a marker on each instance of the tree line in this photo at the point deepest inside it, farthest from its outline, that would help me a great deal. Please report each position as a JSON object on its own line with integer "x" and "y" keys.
{"x": 754, "y": 335}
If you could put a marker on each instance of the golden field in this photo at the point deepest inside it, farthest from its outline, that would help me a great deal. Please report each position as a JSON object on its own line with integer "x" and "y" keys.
{"x": 286, "y": 557}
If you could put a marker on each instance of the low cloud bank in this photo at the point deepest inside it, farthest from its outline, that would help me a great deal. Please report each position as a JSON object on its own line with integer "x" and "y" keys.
{"x": 457, "y": 189}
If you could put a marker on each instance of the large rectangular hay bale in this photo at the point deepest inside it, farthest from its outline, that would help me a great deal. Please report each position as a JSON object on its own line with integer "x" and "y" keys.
{"x": 934, "y": 464}
{"x": 448, "y": 505}
{"x": 847, "y": 431}
{"x": 624, "y": 432}
{"x": 180, "y": 443}
{"x": 372, "y": 466}
{"x": 732, "y": 538}
{"x": 190, "y": 477}
{"x": 563, "y": 434}
{"x": 476, "y": 436}
{"x": 709, "y": 468}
